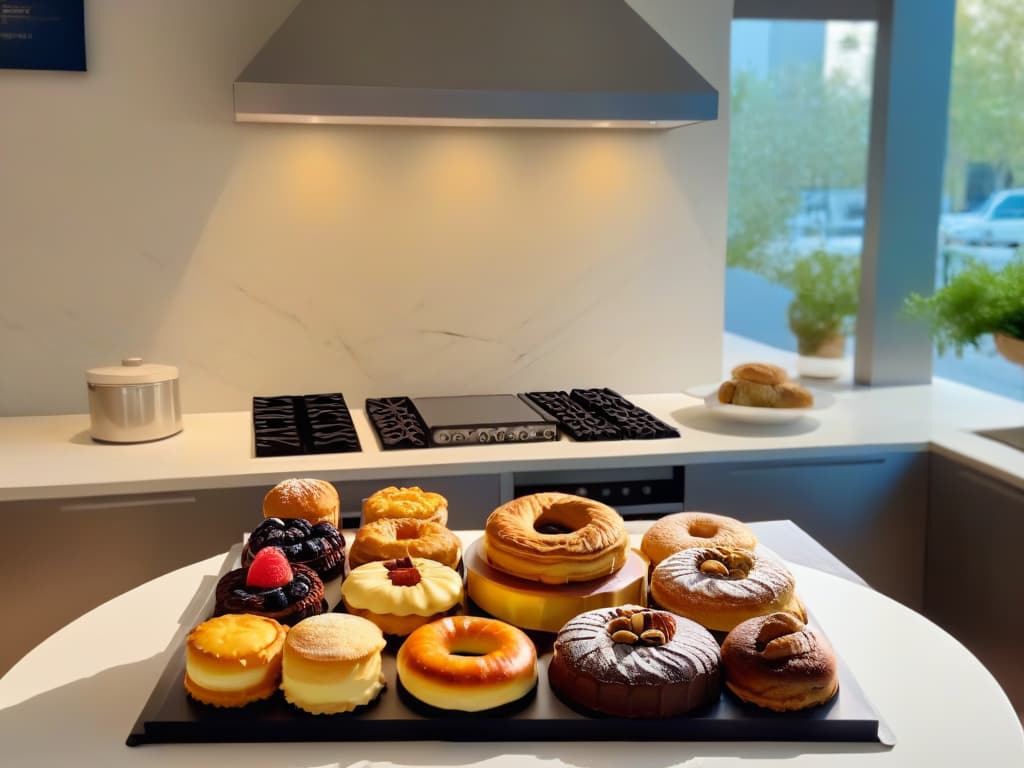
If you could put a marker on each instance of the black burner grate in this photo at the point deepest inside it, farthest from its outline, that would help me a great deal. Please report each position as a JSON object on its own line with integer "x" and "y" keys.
{"x": 634, "y": 421}
{"x": 291, "y": 425}
{"x": 398, "y": 423}
{"x": 575, "y": 420}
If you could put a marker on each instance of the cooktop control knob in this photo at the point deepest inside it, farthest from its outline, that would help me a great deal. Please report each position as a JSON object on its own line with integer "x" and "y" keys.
{"x": 442, "y": 437}
{"x": 523, "y": 434}
{"x": 459, "y": 437}
{"x": 483, "y": 436}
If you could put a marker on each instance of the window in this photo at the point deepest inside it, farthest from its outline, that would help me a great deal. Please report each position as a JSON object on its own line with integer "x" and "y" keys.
{"x": 984, "y": 170}
{"x": 800, "y": 109}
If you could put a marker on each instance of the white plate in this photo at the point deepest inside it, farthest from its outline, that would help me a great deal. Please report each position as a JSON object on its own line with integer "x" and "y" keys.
{"x": 749, "y": 414}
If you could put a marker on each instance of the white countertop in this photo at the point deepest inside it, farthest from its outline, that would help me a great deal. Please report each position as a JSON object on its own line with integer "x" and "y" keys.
{"x": 956, "y": 718}
{"x": 53, "y": 456}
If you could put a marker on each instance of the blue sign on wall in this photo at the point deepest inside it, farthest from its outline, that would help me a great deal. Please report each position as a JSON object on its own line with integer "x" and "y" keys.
{"x": 42, "y": 34}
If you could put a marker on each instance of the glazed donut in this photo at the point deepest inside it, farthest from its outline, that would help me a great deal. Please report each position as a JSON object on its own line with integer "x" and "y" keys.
{"x": 501, "y": 669}
{"x": 776, "y": 662}
{"x": 587, "y": 539}
{"x": 392, "y": 538}
{"x": 683, "y": 530}
{"x": 633, "y": 662}
{"x": 406, "y": 502}
{"x": 720, "y": 587}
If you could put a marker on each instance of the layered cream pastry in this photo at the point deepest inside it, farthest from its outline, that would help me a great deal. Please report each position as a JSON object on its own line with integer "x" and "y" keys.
{"x": 234, "y": 660}
{"x": 332, "y": 663}
{"x": 402, "y": 594}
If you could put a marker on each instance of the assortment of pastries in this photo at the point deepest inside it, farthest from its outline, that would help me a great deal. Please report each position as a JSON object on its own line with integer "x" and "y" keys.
{"x": 655, "y": 632}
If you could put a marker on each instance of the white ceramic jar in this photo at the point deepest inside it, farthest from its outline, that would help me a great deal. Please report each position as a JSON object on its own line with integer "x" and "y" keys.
{"x": 133, "y": 402}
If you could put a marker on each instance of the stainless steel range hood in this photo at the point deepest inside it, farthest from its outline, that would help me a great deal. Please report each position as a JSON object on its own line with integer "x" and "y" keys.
{"x": 574, "y": 63}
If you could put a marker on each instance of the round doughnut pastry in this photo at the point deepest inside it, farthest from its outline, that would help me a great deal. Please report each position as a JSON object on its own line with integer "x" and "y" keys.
{"x": 392, "y": 538}
{"x": 272, "y": 587}
{"x": 683, "y": 530}
{"x": 313, "y": 500}
{"x": 332, "y": 663}
{"x": 776, "y": 662}
{"x": 234, "y": 660}
{"x": 634, "y": 662}
{"x": 720, "y": 587}
{"x": 467, "y": 663}
{"x": 760, "y": 373}
{"x": 406, "y": 502}
{"x": 556, "y": 538}
{"x": 319, "y": 546}
{"x": 400, "y": 595}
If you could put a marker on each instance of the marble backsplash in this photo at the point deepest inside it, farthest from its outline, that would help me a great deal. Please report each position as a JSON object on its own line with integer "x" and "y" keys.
{"x": 137, "y": 219}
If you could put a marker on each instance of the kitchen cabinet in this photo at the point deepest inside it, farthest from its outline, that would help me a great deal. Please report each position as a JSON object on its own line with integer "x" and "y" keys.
{"x": 868, "y": 509}
{"x": 973, "y": 588}
{"x": 69, "y": 555}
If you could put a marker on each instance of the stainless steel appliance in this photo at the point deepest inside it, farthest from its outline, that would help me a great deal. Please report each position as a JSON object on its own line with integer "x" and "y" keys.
{"x": 133, "y": 402}
{"x": 478, "y": 419}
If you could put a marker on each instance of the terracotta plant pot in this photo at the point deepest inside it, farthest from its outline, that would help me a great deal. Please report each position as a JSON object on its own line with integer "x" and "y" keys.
{"x": 1010, "y": 348}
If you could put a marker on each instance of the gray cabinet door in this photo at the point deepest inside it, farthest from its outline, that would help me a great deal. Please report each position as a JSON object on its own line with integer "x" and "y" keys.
{"x": 74, "y": 554}
{"x": 973, "y": 585}
{"x": 869, "y": 510}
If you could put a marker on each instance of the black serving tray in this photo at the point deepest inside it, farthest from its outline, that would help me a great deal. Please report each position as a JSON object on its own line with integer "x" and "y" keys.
{"x": 170, "y": 716}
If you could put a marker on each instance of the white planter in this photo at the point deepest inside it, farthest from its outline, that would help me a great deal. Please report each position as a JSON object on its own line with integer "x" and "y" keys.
{"x": 828, "y": 362}
{"x": 820, "y": 367}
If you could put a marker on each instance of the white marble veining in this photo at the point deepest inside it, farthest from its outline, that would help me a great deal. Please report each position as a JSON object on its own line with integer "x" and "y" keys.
{"x": 138, "y": 219}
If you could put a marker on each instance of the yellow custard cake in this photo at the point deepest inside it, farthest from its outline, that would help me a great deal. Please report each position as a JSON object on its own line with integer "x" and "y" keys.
{"x": 403, "y": 594}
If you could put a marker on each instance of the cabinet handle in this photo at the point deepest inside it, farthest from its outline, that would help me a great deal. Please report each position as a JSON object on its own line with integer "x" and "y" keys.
{"x": 90, "y": 506}
{"x": 810, "y": 464}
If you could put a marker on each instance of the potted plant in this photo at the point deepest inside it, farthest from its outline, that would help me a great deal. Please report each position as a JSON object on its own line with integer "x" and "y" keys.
{"x": 825, "y": 292}
{"x": 977, "y": 301}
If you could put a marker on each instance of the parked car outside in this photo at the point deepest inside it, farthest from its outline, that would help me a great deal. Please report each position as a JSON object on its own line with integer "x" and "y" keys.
{"x": 999, "y": 222}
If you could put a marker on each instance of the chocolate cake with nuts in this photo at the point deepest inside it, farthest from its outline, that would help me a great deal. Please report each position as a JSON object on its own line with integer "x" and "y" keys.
{"x": 635, "y": 662}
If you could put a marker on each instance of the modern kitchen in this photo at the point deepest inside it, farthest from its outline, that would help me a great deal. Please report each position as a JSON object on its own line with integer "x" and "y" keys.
{"x": 487, "y": 294}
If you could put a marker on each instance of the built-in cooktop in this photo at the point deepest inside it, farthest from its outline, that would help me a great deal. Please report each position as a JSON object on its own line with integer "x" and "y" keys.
{"x": 476, "y": 419}
{"x": 582, "y": 414}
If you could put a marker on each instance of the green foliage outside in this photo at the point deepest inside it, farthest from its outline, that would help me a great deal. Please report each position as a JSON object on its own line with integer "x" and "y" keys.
{"x": 796, "y": 131}
{"x": 975, "y": 302}
{"x": 986, "y": 122}
{"x": 825, "y": 289}
{"x": 799, "y": 131}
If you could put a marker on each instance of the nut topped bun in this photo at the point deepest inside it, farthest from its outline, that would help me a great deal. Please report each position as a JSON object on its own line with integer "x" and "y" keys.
{"x": 776, "y": 662}
{"x": 313, "y": 500}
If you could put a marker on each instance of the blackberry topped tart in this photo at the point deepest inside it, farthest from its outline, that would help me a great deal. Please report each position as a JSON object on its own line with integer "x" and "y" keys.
{"x": 319, "y": 546}
{"x": 271, "y": 587}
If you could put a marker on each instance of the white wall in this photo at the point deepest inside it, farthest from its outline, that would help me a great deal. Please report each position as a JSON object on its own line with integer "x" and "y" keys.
{"x": 137, "y": 219}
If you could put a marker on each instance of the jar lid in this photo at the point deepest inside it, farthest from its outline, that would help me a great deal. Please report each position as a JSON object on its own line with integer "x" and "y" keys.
{"x": 131, "y": 371}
